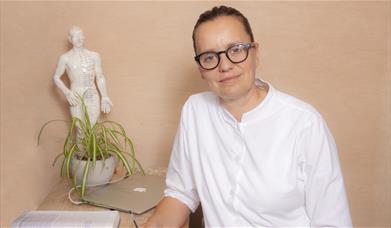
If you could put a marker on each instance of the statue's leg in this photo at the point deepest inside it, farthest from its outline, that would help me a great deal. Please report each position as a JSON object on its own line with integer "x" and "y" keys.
{"x": 93, "y": 105}
{"x": 77, "y": 111}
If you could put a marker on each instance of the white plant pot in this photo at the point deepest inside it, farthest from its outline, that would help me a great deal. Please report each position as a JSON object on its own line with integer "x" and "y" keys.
{"x": 100, "y": 174}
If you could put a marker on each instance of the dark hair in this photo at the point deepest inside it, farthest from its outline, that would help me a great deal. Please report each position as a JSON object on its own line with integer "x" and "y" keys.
{"x": 219, "y": 11}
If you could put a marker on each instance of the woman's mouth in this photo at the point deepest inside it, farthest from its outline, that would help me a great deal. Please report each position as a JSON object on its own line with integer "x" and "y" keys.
{"x": 228, "y": 79}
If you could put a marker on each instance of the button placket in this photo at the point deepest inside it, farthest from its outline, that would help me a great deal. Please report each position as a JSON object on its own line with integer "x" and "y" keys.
{"x": 238, "y": 161}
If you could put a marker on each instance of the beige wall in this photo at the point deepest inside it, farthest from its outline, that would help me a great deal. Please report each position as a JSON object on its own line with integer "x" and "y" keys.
{"x": 334, "y": 55}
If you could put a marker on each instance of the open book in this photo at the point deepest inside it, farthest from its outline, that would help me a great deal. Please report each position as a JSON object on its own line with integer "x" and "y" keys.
{"x": 58, "y": 219}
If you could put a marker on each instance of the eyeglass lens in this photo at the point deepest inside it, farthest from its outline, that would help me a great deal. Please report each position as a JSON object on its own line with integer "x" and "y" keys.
{"x": 236, "y": 54}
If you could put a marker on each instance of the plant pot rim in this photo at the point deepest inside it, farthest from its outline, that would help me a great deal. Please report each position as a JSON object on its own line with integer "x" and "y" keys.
{"x": 76, "y": 156}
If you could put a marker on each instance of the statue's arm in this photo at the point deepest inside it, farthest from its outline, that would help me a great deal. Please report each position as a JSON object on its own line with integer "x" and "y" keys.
{"x": 101, "y": 83}
{"x": 58, "y": 74}
{"x": 70, "y": 96}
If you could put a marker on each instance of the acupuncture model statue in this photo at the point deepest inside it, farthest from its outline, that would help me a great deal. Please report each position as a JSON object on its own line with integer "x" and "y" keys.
{"x": 83, "y": 68}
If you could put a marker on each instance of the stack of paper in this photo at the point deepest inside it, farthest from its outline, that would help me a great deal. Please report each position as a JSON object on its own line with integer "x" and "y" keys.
{"x": 58, "y": 219}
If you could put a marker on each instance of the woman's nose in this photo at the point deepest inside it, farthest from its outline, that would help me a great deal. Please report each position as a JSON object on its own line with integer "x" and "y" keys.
{"x": 225, "y": 64}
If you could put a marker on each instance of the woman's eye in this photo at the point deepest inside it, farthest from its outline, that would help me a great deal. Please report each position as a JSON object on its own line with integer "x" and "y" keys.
{"x": 236, "y": 49}
{"x": 209, "y": 58}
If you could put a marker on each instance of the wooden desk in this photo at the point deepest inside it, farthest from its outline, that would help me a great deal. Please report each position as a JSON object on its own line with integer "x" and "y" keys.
{"x": 58, "y": 200}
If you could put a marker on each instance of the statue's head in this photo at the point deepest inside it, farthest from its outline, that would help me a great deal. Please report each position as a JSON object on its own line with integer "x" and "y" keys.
{"x": 76, "y": 37}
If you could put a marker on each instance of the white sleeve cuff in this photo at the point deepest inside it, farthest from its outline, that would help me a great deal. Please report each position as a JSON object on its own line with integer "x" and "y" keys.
{"x": 183, "y": 198}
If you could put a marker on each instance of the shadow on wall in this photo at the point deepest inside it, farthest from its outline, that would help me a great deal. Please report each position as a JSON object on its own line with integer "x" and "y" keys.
{"x": 187, "y": 82}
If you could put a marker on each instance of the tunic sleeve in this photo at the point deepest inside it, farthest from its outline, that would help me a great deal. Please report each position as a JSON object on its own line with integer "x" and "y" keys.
{"x": 325, "y": 197}
{"x": 179, "y": 180}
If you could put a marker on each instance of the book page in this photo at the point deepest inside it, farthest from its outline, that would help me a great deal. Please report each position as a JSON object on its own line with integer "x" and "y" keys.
{"x": 82, "y": 219}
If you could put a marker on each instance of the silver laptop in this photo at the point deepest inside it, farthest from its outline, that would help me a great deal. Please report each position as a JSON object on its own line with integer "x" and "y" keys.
{"x": 136, "y": 194}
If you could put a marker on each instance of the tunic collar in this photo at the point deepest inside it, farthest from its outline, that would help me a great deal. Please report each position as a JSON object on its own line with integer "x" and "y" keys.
{"x": 262, "y": 110}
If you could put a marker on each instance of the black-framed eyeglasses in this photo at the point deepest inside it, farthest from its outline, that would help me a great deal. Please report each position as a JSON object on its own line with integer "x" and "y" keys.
{"x": 236, "y": 54}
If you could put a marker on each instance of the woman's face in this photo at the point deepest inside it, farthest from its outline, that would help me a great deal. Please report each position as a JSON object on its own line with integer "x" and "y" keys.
{"x": 228, "y": 80}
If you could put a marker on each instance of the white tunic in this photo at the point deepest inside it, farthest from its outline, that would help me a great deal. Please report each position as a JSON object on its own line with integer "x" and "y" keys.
{"x": 277, "y": 167}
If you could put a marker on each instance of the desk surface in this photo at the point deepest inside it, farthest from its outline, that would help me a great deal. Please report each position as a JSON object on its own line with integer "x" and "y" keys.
{"x": 58, "y": 200}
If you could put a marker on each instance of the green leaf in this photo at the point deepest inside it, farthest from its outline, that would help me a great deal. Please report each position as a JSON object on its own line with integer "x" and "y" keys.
{"x": 94, "y": 150}
{"x": 63, "y": 167}
{"x": 128, "y": 141}
{"x": 69, "y": 159}
{"x": 56, "y": 158}
{"x": 139, "y": 166}
{"x": 119, "y": 126}
{"x": 85, "y": 175}
{"x": 43, "y": 127}
{"x": 113, "y": 136}
{"x": 123, "y": 160}
{"x": 99, "y": 150}
{"x": 82, "y": 126}
{"x": 105, "y": 137}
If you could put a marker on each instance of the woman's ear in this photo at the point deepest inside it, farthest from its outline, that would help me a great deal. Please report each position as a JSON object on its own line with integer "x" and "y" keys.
{"x": 202, "y": 75}
{"x": 257, "y": 54}
{"x": 200, "y": 70}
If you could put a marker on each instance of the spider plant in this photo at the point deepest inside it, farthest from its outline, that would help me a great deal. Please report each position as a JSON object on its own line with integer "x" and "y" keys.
{"x": 90, "y": 143}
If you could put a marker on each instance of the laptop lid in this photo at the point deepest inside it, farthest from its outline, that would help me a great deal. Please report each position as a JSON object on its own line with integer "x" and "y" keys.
{"x": 135, "y": 194}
